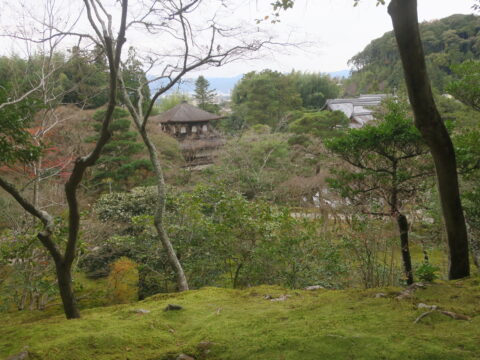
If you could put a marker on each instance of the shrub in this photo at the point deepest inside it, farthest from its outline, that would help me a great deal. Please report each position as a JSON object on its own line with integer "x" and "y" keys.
{"x": 427, "y": 272}
{"x": 123, "y": 281}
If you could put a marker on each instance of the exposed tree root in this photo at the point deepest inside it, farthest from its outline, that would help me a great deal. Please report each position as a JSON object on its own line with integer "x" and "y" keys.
{"x": 451, "y": 314}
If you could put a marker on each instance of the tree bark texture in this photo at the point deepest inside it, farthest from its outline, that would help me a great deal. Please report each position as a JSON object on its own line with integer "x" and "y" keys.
{"x": 428, "y": 121}
{"x": 407, "y": 261}
{"x": 64, "y": 276}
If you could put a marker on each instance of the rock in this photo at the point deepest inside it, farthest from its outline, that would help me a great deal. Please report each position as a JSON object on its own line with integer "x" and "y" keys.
{"x": 20, "y": 356}
{"x": 380, "y": 295}
{"x": 408, "y": 292}
{"x": 281, "y": 298}
{"x": 141, "y": 311}
{"x": 314, "y": 287}
{"x": 170, "y": 307}
{"x": 425, "y": 306}
{"x": 185, "y": 357}
{"x": 205, "y": 345}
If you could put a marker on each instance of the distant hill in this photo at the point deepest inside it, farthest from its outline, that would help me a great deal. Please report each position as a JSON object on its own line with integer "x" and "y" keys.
{"x": 448, "y": 41}
{"x": 340, "y": 74}
{"x": 224, "y": 85}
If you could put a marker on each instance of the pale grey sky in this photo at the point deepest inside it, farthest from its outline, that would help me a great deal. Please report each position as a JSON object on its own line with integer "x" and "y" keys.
{"x": 335, "y": 29}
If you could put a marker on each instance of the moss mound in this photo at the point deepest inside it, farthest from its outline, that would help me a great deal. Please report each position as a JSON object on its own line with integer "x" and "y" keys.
{"x": 249, "y": 324}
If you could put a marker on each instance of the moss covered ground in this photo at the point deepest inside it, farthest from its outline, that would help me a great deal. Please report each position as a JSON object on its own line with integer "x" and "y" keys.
{"x": 242, "y": 324}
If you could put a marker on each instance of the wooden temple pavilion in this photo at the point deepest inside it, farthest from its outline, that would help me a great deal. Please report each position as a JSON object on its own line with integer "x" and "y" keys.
{"x": 185, "y": 120}
{"x": 191, "y": 127}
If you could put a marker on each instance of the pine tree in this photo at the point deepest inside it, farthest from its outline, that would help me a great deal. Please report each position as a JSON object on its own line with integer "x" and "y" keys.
{"x": 119, "y": 166}
{"x": 204, "y": 96}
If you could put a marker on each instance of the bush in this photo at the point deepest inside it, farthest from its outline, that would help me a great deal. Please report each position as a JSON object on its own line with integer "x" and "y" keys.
{"x": 96, "y": 263}
{"x": 427, "y": 272}
{"x": 123, "y": 281}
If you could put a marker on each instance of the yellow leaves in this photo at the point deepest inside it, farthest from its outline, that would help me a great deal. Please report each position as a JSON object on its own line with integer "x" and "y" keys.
{"x": 123, "y": 281}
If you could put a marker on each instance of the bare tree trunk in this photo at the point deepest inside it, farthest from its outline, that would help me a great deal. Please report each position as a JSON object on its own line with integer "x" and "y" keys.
{"x": 64, "y": 276}
{"x": 428, "y": 121}
{"x": 237, "y": 275}
{"x": 182, "y": 283}
{"x": 407, "y": 261}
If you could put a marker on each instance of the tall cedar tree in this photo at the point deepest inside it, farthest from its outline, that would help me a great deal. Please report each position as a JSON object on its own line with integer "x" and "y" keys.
{"x": 204, "y": 95}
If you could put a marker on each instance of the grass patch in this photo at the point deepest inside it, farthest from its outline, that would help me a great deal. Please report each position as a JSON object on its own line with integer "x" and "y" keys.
{"x": 241, "y": 324}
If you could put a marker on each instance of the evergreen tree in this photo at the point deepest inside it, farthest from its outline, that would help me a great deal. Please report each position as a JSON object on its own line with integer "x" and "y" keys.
{"x": 386, "y": 164}
{"x": 117, "y": 168}
{"x": 265, "y": 98}
{"x": 204, "y": 95}
{"x": 85, "y": 75}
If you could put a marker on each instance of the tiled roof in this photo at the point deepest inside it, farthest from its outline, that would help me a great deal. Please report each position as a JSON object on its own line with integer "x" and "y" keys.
{"x": 359, "y": 110}
{"x": 185, "y": 113}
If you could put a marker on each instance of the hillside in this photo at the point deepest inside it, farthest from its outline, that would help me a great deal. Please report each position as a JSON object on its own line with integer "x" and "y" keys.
{"x": 448, "y": 41}
{"x": 258, "y": 323}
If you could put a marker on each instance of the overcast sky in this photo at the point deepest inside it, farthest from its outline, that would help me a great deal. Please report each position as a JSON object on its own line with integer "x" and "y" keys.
{"x": 338, "y": 30}
{"x": 335, "y": 30}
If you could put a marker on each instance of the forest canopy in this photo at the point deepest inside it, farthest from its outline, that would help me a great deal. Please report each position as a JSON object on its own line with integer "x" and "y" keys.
{"x": 446, "y": 42}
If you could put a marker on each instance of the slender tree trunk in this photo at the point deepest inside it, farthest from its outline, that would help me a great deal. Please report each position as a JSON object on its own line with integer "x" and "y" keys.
{"x": 428, "y": 121}
{"x": 64, "y": 277}
{"x": 407, "y": 261}
{"x": 237, "y": 275}
{"x": 182, "y": 283}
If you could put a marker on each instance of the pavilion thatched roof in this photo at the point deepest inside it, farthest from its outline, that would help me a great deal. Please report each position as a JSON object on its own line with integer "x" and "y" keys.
{"x": 185, "y": 113}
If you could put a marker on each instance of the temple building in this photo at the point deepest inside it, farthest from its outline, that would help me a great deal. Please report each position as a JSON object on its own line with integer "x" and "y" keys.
{"x": 358, "y": 110}
{"x": 191, "y": 127}
{"x": 185, "y": 120}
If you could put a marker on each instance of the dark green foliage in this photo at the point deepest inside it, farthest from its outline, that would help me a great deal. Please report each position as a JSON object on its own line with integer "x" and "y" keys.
{"x": 81, "y": 76}
{"x": 269, "y": 97}
{"x": 315, "y": 89}
{"x": 321, "y": 124}
{"x": 387, "y": 166}
{"x": 222, "y": 239}
{"x": 466, "y": 139}
{"x": 96, "y": 264}
{"x": 467, "y": 87}
{"x": 85, "y": 78}
{"x": 119, "y": 164}
{"x": 449, "y": 41}
{"x": 427, "y": 272}
{"x": 16, "y": 142}
{"x": 265, "y": 98}
{"x": 204, "y": 95}
{"x": 388, "y": 161}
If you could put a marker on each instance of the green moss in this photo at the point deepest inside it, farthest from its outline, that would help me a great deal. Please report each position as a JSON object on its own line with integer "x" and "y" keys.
{"x": 242, "y": 324}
